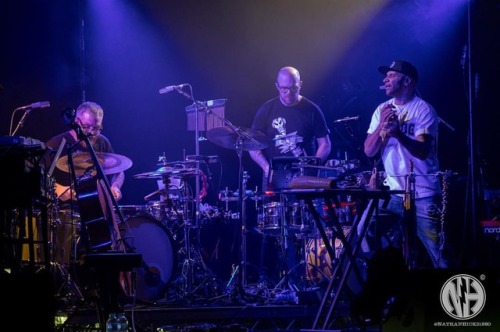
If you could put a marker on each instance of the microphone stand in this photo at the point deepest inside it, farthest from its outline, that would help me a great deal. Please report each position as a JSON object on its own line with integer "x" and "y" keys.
{"x": 21, "y": 121}
{"x": 198, "y": 106}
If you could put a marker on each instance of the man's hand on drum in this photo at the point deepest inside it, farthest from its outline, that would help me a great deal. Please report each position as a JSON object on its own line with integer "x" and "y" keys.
{"x": 63, "y": 193}
{"x": 117, "y": 194}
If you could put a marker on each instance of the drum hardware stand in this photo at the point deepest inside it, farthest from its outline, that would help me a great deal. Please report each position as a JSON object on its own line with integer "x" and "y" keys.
{"x": 303, "y": 250}
{"x": 302, "y": 164}
{"x": 240, "y": 140}
{"x": 206, "y": 108}
{"x": 195, "y": 275}
{"x": 239, "y": 272}
{"x": 72, "y": 292}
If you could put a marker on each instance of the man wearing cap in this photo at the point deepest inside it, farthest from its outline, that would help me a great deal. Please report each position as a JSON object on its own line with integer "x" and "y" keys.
{"x": 403, "y": 133}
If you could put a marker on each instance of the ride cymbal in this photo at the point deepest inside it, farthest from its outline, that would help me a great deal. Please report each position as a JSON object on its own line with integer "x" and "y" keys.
{"x": 111, "y": 163}
{"x": 239, "y": 138}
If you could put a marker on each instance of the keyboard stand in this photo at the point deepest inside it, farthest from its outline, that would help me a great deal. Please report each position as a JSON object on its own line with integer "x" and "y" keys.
{"x": 352, "y": 244}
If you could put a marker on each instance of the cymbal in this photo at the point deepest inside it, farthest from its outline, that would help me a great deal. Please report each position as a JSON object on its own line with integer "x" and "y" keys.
{"x": 111, "y": 163}
{"x": 228, "y": 138}
{"x": 176, "y": 164}
{"x": 162, "y": 172}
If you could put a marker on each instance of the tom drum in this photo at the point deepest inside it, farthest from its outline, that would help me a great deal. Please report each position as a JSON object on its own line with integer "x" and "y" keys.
{"x": 270, "y": 220}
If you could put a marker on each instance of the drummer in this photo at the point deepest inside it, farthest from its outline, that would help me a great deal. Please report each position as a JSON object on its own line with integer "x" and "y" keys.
{"x": 88, "y": 117}
{"x": 298, "y": 128}
{"x": 297, "y": 124}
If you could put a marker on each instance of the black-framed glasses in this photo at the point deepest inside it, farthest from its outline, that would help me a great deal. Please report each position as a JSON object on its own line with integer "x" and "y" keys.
{"x": 285, "y": 89}
{"x": 91, "y": 129}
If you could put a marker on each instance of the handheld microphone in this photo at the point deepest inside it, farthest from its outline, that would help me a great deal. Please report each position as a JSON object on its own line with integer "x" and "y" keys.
{"x": 171, "y": 88}
{"x": 382, "y": 87}
{"x": 347, "y": 118}
{"x": 40, "y": 104}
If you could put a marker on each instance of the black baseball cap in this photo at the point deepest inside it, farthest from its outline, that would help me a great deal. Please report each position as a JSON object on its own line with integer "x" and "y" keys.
{"x": 402, "y": 67}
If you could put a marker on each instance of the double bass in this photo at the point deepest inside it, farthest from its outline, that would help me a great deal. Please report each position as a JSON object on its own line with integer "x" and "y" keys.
{"x": 99, "y": 231}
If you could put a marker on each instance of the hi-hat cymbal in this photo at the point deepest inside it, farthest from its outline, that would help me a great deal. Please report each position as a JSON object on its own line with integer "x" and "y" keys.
{"x": 163, "y": 172}
{"x": 111, "y": 163}
{"x": 176, "y": 164}
{"x": 239, "y": 138}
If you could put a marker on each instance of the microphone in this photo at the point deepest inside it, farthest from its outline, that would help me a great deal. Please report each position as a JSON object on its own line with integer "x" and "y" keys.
{"x": 347, "y": 118}
{"x": 382, "y": 87}
{"x": 40, "y": 104}
{"x": 171, "y": 88}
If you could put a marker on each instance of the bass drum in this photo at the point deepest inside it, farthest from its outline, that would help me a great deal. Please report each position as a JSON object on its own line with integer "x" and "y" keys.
{"x": 147, "y": 236}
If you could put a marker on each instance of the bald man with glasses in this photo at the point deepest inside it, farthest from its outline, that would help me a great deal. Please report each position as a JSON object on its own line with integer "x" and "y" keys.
{"x": 295, "y": 123}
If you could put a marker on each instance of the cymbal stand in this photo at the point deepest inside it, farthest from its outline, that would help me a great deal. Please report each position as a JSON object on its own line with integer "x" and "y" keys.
{"x": 188, "y": 264}
{"x": 198, "y": 105}
{"x": 195, "y": 275}
{"x": 204, "y": 107}
{"x": 242, "y": 180}
{"x": 241, "y": 199}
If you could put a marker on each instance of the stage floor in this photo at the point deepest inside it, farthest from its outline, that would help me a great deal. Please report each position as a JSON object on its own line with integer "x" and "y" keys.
{"x": 248, "y": 308}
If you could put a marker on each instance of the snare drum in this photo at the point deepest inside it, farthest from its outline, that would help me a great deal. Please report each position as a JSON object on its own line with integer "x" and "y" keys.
{"x": 270, "y": 220}
{"x": 157, "y": 209}
{"x": 130, "y": 211}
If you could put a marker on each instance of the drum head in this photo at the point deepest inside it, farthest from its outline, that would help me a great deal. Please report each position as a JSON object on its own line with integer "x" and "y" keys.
{"x": 147, "y": 236}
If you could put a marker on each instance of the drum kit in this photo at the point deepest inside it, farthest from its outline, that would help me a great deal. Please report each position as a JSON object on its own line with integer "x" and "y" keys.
{"x": 162, "y": 230}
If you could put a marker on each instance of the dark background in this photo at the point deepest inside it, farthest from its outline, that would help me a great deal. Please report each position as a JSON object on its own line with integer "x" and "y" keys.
{"x": 120, "y": 53}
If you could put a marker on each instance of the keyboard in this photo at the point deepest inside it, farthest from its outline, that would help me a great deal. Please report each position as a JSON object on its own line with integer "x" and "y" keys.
{"x": 21, "y": 142}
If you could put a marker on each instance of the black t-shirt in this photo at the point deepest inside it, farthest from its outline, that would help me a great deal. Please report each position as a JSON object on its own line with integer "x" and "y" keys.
{"x": 293, "y": 129}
